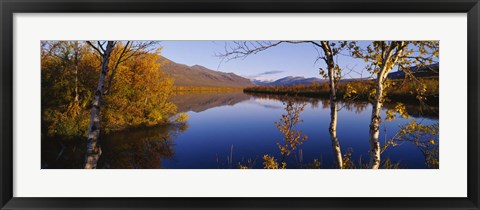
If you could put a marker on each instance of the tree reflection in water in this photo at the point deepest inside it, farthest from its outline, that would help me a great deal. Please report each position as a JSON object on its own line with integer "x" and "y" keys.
{"x": 424, "y": 137}
{"x": 132, "y": 149}
{"x": 155, "y": 147}
{"x": 413, "y": 109}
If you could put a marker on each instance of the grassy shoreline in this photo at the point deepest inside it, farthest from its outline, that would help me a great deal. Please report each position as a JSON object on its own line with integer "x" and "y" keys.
{"x": 398, "y": 91}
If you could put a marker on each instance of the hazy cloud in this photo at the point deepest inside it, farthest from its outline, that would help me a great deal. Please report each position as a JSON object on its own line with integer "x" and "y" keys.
{"x": 270, "y": 72}
{"x": 265, "y": 76}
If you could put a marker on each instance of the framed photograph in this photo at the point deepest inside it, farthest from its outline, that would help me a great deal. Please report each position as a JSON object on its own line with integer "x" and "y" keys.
{"x": 239, "y": 105}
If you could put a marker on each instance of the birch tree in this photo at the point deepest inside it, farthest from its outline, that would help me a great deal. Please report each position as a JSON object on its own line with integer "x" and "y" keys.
{"x": 383, "y": 57}
{"x": 93, "y": 150}
{"x": 242, "y": 49}
{"x": 333, "y": 77}
{"x": 105, "y": 50}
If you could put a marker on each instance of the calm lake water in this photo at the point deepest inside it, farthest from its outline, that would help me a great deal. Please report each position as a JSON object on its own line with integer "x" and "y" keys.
{"x": 225, "y": 129}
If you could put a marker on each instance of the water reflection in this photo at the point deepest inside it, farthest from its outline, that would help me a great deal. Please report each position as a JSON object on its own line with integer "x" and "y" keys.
{"x": 134, "y": 148}
{"x": 140, "y": 148}
{"x": 201, "y": 101}
{"x": 239, "y": 129}
{"x": 413, "y": 109}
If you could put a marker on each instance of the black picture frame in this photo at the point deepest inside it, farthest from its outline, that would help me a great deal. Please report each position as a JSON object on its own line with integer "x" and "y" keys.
{"x": 10, "y": 7}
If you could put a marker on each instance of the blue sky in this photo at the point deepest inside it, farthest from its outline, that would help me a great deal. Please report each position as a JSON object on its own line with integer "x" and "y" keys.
{"x": 274, "y": 63}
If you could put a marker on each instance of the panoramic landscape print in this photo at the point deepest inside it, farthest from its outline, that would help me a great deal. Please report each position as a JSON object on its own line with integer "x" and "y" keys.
{"x": 248, "y": 104}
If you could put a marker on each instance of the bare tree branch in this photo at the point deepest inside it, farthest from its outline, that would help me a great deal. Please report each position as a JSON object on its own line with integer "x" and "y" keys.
{"x": 94, "y": 47}
{"x": 243, "y": 49}
{"x": 100, "y": 45}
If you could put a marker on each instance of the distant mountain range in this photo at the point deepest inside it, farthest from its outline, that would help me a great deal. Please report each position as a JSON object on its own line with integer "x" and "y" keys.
{"x": 418, "y": 71}
{"x": 290, "y": 80}
{"x": 199, "y": 76}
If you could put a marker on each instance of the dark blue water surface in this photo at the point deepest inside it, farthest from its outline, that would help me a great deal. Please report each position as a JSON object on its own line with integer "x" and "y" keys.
{"x": 248, "y": 127}
{"x": 228, "y": 129}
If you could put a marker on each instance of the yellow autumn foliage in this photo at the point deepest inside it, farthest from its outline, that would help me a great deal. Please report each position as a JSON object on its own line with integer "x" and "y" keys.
{"x": 138, "y": 96}
{"x": 269, "y": 162}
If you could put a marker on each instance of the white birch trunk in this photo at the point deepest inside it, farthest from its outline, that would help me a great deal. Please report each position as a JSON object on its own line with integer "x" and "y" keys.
{"x": 389, "y": 60}
{"x": 333, "y": 126}
{"x": 93, "y": 149}
{"x": 375, "y": 125}
{"x": 333, "y": 106}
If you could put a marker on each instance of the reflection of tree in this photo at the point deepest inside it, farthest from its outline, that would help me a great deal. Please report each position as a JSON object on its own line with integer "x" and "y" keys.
{"x": 62, "y": 153}
{"x": 413, "y": 109}
{"x": 293, "y": 138}
{"x": 284, "y": 98}
{"x": 424, "y": 137}
{"x": 357, "y": 107}
{"x": 416, "y": 110}
{"x": 135, "y": 148}
{"x": 332, "y": 130}
{"x": 201, "y": 101}
{"x": 314, "y": 104}
{"x": 143, "y": 148}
